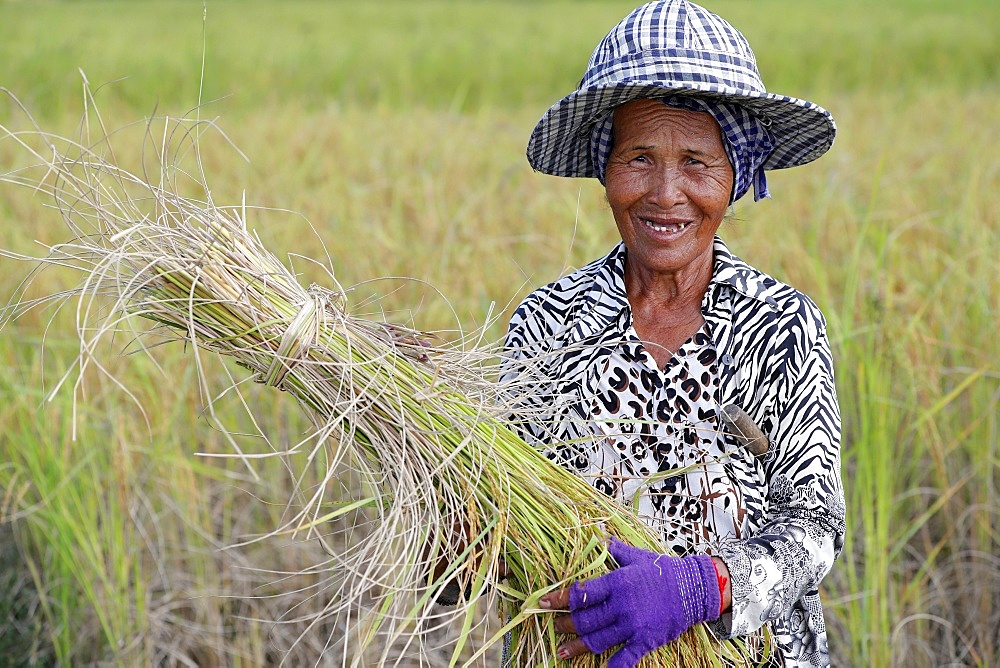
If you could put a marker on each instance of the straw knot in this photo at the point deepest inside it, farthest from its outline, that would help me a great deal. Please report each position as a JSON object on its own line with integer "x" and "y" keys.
{"x": 302, "y": 333}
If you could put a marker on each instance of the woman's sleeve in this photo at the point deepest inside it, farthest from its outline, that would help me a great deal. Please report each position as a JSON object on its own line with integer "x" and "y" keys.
{"x": 775, "y": 573}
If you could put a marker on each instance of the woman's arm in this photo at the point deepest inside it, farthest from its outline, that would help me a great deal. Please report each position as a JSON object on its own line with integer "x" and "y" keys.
{"x": 776, "y": 572}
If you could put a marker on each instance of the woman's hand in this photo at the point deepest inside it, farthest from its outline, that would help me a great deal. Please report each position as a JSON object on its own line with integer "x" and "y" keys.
{"x": 647, "y": 602}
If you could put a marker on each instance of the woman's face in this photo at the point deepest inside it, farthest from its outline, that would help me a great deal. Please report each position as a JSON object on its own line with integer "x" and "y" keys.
{"x": 668, "y": 181}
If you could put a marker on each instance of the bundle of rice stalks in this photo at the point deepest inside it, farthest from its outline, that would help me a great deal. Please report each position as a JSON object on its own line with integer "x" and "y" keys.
{"x": 457, "y": 497}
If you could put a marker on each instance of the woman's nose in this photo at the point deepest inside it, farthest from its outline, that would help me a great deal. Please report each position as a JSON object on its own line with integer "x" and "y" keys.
{"x": 667, "y": 188}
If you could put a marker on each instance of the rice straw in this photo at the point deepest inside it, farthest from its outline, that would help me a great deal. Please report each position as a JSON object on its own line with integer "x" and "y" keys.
{"x": 422, "y": 424}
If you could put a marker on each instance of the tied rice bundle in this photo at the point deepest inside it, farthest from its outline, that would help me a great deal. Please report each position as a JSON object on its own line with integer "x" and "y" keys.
{"x": 455, "y": 492}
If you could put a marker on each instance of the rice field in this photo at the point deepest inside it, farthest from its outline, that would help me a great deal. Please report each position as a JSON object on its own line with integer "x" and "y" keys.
{"x": 389, "y": 137}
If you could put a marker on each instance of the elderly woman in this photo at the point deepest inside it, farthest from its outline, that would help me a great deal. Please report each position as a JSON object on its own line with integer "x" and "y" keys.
{"x": 621, "y": 368}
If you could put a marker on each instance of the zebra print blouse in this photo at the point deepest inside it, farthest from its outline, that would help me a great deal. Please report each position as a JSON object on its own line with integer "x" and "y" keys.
{"x": 588, "y": 396}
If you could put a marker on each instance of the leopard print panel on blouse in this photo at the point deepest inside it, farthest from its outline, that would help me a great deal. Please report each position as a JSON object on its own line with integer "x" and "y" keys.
{"x": 659, "y": 421}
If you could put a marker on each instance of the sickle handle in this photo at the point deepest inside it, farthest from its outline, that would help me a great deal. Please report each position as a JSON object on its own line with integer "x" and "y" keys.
{"x": 744, "y": 430}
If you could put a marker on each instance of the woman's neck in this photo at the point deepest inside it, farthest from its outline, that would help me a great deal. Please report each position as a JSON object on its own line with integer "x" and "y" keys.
{"x": 666, "y": 307}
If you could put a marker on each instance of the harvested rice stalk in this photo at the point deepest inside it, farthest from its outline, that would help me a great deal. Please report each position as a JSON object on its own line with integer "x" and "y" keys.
{"x": 421, "y": 423}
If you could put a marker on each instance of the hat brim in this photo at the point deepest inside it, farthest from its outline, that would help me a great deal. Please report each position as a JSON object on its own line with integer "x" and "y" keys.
{"x": 560, "y": 143}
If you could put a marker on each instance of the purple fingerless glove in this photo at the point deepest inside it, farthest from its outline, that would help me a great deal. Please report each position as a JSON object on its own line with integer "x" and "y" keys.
{"x": 647, "y": 602}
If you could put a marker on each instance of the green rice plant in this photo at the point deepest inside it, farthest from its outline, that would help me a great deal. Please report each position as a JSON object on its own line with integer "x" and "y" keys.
{"x": 455, "y": 494}
{"x": 63, "y": 494}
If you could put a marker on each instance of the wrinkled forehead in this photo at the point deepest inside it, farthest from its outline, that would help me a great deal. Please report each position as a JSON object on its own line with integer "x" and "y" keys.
{"x": 652, "y": 120}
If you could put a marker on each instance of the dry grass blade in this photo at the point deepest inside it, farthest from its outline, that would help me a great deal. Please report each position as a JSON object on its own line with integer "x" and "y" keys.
{"x": 444, "y": 480}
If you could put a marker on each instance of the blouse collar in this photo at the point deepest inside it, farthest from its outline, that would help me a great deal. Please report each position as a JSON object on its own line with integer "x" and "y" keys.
{"x": 602, "y": 302}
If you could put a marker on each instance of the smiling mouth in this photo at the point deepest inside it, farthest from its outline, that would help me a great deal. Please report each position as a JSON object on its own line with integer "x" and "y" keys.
{"x": 673, "y": 227}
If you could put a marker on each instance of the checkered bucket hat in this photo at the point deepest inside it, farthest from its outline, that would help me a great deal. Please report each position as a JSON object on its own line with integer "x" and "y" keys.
{"x": 673, "y": 48}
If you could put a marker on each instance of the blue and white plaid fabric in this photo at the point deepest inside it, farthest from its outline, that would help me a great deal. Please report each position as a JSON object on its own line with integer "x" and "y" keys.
{"x": 748, "y": 143}
{"x": 666, "y": 48}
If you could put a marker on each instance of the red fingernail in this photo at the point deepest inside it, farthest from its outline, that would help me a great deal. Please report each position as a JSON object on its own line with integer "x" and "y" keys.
{"x": 563, "y": 653}
{"x": 544, "y": 603}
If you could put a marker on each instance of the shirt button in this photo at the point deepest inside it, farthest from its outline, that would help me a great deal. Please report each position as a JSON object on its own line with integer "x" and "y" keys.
{"x": 727, "y": 359}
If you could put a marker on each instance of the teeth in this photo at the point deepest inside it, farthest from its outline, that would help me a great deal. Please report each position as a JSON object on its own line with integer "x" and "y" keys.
{"x": 663, "y": 228}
